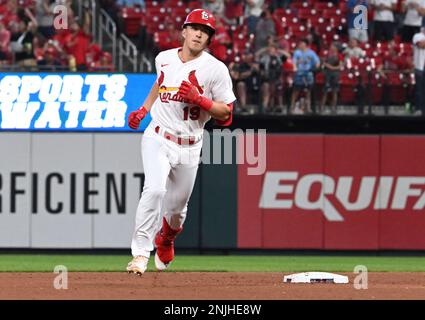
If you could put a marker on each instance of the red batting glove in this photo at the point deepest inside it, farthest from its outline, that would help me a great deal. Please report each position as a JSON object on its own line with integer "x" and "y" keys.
{"x": 190, "y": 93}
{"x": 135, "y": 117}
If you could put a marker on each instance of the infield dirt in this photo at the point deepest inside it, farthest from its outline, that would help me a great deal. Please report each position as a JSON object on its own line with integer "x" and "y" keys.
{"x": 205, "y": 286}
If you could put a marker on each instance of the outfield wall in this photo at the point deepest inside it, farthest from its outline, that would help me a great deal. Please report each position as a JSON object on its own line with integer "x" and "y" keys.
{"x": 71, "y": 175}
{"x": 80, "y": 190}
{"x": 335, "y": 192}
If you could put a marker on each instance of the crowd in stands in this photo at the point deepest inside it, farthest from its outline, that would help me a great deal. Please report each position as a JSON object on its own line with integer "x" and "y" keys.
{"x": 296, "y": 56}
{"x": 30, "y": 40}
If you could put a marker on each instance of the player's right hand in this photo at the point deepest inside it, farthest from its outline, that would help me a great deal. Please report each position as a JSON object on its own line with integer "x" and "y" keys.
{"x": 135, "y": 117}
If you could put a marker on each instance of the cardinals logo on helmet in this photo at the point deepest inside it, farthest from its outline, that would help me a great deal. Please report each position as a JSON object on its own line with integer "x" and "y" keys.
{"x": 205, "y": 15}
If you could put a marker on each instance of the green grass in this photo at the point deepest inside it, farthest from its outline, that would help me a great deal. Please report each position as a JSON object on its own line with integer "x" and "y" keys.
{"x": 236, "y": 263}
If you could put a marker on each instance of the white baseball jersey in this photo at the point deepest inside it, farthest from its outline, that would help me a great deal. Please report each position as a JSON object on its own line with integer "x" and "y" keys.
{"x": 208, "y": 74}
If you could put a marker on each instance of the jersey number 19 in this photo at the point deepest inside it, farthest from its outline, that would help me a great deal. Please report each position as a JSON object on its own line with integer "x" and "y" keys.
{"x": 191, "y": 112}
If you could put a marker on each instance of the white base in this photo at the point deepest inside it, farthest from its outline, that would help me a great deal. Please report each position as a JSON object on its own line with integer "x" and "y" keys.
{"x": 315, "y": 277}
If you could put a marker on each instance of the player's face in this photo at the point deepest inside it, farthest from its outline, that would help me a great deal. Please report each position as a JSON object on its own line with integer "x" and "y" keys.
{"x": 196, "y": 37}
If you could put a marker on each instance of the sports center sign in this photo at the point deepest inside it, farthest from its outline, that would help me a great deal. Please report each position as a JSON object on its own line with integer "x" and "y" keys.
{"x": 335, "y": 192}
{"x": 71, "y": 102}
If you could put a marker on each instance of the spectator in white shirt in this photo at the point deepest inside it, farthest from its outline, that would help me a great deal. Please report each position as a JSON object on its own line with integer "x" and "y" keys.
{"x": 353, "y": 50}
{"x": 253, "y": 10}
{"x": 384, "y": 19}
{"x": 216, "y": 7}
{"x": 419, "y": 62}
{"x": 415, "y": 10}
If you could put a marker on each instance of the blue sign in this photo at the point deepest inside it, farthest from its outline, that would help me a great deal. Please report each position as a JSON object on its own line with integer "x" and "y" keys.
{"x": 71, "y": 101}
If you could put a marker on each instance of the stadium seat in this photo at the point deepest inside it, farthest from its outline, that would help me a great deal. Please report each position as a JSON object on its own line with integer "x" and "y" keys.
{"x": 348, "y": 88}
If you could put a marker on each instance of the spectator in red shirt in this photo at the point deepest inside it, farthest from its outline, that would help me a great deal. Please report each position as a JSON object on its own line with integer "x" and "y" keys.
{"x": 4, "y": 42}
{"x": 77, "y": 44}
{"x": 104, "y": 63}
{"x": 233, "y": 11}
{"x": 50, "y": 61}
{"x": 220, "y": 42}
{"x": 174, "y": 38}
{"x": 393, "y": 60}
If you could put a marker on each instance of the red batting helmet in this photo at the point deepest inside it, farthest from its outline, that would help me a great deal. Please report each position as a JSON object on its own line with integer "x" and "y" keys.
{"x": 201, "y": 16}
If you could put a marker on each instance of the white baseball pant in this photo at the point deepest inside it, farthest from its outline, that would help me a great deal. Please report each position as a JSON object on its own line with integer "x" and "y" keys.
{"x": 170, "y": 173}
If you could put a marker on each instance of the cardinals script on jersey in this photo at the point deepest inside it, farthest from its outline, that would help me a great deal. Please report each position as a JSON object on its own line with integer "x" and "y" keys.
{"x": 206, "y": 73}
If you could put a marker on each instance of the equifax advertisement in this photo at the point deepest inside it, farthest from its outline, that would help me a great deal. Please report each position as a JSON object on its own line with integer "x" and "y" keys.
{"x": 335, "y": 192}
{"x": 71, "y": 102}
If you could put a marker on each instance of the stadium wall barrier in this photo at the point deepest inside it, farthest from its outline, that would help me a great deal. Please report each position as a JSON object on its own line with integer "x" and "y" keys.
{"x": 71, "y": 176}
{"x": 335, "y": 192}
{"x": 81, "y": 190}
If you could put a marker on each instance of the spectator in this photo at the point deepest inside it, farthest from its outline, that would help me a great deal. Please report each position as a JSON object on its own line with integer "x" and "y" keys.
{"x": 414, "y": 10}
{"x": 243, "y": 72}
{"x": 353, "y": 50}
{"x": 44, "y": 12}
{"x": 22, "y": 40}
{"x": 220, "y": 41}
{"x": 419, "y": 62}
{"x": 306, "y": 61}
{"x": 93, "y": 55}
{"x": 216, "y": 7}
{"x": 77, "y": 44}
{"x": 265, "y": 29}
{"x": 233, "y": 11}
{"x": 314, "y": 40}
{"x": 4, "y": 42}
{"x": 253, "y": 10}
{"x": 357, "y": 32}
{"x": 332, "y": 66}
{"x": 50, "y": 62}
{"x": 131, "y": 3}
{"x": 384, "y": 19}
{"x": 173, "y": 38}
{"x": 288, "y": 69}
{"x": 392, "y": 60}
{"x": 104, "y": 63}
{"x": 270, "y": 63}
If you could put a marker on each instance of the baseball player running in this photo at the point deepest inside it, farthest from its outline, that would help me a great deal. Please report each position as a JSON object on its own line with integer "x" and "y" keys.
{"x": 191, "y": 87}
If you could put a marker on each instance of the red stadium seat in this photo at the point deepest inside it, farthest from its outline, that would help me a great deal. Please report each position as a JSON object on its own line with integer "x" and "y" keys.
{"x": 348, "y": 90}
{"x": 321, "y": 6}
{"x": 377, "y": 88}
{"x": 397, "y": 84}
{"x": 300, "y": 4}
{"x": 304, "y": 13}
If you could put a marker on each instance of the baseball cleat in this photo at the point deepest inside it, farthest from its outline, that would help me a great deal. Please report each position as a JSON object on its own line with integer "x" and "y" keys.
{"x": 164, "y": 243}
{"x": 138, "y": 265}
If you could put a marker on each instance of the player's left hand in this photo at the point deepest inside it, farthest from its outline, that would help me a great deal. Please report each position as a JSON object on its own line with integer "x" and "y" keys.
{"x": 189, "y": 92}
